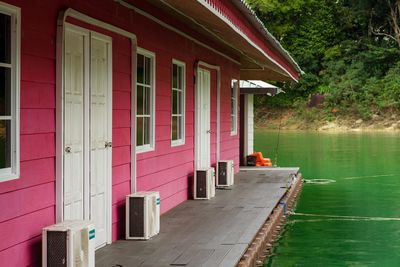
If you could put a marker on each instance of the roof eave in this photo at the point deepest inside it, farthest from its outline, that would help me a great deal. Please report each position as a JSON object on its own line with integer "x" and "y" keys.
{"x": 249, "y": 13}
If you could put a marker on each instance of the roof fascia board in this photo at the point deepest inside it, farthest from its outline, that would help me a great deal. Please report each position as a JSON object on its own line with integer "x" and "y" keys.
{"x": 210, "y": 7}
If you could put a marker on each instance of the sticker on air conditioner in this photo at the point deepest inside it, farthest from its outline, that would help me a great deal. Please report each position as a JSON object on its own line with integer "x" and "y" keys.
{"x": 92, "y": 234}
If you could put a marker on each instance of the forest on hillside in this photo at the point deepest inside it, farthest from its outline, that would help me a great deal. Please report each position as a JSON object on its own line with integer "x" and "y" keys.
{"x": 349, "y": 51}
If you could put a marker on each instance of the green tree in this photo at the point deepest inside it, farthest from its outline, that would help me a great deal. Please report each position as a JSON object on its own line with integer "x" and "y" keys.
{"x": 383, "y": 18}
{"x": 349, "y": 49}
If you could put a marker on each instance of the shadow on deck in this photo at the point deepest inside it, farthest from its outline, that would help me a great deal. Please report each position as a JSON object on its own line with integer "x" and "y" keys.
{"x": 208, "y": 233}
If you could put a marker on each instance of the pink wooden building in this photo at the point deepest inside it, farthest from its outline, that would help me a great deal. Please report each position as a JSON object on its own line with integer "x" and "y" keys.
{"x": 101, "y": 98}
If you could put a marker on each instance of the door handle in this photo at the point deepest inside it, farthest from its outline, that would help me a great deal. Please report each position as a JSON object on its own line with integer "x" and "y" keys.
{"x": 68, "y": 149}
{"x": 209, "y": 131}
{"x": 107, "y": 144}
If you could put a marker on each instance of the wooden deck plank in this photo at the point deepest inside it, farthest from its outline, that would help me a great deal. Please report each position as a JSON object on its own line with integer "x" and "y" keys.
{"x": 233, "y": 256}
{"x": 206, "y": 233}
{"x": 201, "y": 257}
{"x": 193, "y": 256}
{"x": 217, "y": 257}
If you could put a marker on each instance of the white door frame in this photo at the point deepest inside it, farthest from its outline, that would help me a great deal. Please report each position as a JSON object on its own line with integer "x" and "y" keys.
{"x": 62, "y": 17}
{"x": 217, "y": 68}
{"x": 87, "y": 103}
{"x": 248, "y": 125}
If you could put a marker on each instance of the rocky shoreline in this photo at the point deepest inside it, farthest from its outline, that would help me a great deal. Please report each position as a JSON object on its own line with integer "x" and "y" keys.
{"x": 289, "y": 120}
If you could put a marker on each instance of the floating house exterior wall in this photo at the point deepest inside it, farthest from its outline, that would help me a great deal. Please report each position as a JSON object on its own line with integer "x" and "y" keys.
{"x": 97, "y": 90}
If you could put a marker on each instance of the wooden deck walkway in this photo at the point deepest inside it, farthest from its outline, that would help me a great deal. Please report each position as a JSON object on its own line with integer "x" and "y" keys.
{"x": 207, "y": 233}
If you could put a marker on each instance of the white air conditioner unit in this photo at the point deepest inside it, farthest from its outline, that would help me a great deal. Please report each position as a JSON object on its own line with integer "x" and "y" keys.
{"x": 70, "y": 244}
{"x": 225, "y": 173}
{"x": 204, "y": 184}
{"x": 142, "y": 215}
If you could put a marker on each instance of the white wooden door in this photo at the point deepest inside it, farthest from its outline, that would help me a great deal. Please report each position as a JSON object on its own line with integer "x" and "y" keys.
{"x": 203, "y": 131}
{"x": 100, "y": 134}
{"x": 87, "y": 129}
{"x": 75, "y": 157}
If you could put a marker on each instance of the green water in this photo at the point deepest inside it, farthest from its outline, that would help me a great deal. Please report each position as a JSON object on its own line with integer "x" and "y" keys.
{"x": 354, "y": 221}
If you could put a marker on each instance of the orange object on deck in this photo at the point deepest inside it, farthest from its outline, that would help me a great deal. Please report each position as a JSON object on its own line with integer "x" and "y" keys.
{"x": 261, "y": 161}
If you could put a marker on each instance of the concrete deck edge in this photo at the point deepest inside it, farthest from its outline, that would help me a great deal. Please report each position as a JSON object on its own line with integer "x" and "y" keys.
{"x": 256, "y": 251}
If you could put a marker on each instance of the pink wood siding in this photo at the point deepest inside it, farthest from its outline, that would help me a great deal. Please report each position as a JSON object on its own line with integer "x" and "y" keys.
{"x": 160, "y": 169}
{"x": 28, "y": 203}
{"x": 121, "y": 158}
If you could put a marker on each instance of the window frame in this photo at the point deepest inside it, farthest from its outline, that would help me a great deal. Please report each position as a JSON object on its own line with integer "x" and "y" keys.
{"x": 152, "y": 56}
{"x": 181, "y": 141}
{"x": 234, "y": 112}
{"x": 13, "y": 172}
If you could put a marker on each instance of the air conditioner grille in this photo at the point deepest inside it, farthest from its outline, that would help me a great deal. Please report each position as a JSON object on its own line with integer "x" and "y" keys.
{"x": 201, "y": 184}
{"x": 136, "y": 216}
{"x": 56, "y": 248}
{"x": 222, "y": 173}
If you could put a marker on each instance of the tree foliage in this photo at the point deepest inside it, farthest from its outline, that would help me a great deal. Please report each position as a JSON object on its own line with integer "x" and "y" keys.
{"x": 384, "y": 18}
{"x": 349, "y": 50}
